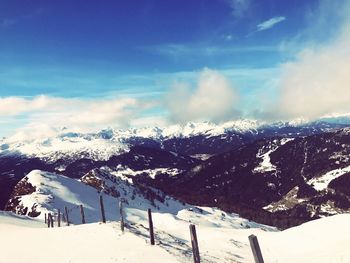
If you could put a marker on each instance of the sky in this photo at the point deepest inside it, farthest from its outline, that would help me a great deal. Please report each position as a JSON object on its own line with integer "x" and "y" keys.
{"x": 88, "y": 65}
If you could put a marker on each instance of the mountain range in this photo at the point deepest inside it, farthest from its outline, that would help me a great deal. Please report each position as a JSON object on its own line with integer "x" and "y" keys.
{"x": 281, "y": 174}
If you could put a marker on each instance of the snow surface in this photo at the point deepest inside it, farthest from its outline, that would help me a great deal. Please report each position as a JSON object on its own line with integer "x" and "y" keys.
{"x": 222, "y": 237}
{"x": 126, "y": 172}
{"x": 321, "y": 241}
{"x": 266, "y": 165}
{"x": 84, "y": 243}
{"x": 171, "y": 218}
{"x": 321, "y": 183}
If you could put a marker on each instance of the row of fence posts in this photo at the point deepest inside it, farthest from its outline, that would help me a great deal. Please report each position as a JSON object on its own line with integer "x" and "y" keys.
{"x": 253, "y": 240}
{"x": 50, "y": 221}
{"x": 49, "y": 218}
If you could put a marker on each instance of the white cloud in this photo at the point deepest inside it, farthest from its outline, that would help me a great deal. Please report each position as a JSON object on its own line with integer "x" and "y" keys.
{"x": 270, "y": 23}
{"x": 45, "y": 115}
{"x": 317, "y": 83}
{"x": 212, "y": 99}
{"x": 12, "y": 106}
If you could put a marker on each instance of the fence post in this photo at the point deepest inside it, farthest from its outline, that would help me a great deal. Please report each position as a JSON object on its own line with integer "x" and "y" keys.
{"x": 254, "y": 244}
{"x": 121, "y": 212}
{"x": 151, "y": 232}
{"x": 59, "y": 218}
{"x": 51, "y": 220}
{"x": 63, "y": 217}
{"x": 82, "y": 214}
{"x": 102, "y": 210}
{"x": 66, "y": 212}
{"x": 48, "y": 220}
{"x": 194, "y": 243}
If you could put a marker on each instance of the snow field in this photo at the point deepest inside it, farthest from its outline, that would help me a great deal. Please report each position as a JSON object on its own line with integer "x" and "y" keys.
{"x": 222, "y": 237}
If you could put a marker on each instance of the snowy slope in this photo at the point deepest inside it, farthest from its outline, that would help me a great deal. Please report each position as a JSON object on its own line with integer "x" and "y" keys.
{"x": 265, "y": 152}
{"x": 320, "y": 241}
{"x": 171, "y": 218}
{"x": 21, "y": 241}
{"x": 321, "y": 183}
{"x": 50, "y": 192}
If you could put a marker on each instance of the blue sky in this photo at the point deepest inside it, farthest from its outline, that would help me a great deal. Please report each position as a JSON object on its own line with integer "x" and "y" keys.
{"x": 94, "y": 52}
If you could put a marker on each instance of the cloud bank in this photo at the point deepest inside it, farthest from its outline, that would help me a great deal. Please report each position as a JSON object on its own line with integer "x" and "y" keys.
{"x": 317, "y": 82}
{"x": 45, "y": 115}
{"x": 213, "y": 98}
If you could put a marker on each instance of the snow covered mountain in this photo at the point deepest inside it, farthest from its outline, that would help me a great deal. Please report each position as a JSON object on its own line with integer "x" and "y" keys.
{"x": 255, "y": 166}
{"x": 281, "y": 181}
{"x": 190, "y": 139}
{"x": 137, "y": 160}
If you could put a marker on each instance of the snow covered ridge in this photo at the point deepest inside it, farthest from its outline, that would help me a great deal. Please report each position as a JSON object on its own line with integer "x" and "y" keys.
{"x": 105, "y": 143}
{"x": 67, "y": 146}
{"x": 43, "y": 192}
{"x": 50, "y": 192}
{"x": 108, "y": 142}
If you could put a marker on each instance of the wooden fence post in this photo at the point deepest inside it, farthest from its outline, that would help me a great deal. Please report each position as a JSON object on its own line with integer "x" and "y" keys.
{"x": 102, "y": 210}
{"x": 82, "y": 214}
{"x": 151, "y": 232}
{"x": 254, "y": 244}
{"x": 51, "y": 220}
{"x": 59, "y": 218}
{"x": 48, "y": 220}
{"x": 66, "y": 212}
{"x": 121, "y": 212}
{"x": 63, "y": 217}
{"x": 194, "y": 243}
